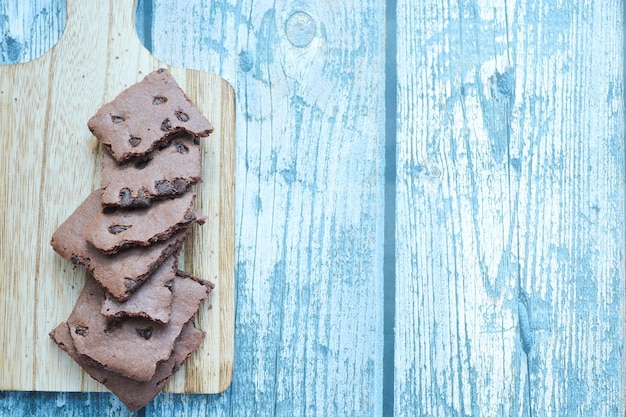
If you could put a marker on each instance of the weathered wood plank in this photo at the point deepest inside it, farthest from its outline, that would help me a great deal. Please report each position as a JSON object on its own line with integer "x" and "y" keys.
{"x": 510, "y": 284}
{"x": 310, "y": 88}
{"x": 455, "y": 289}
{"x": 572, "y": 195}
{"x": 96, "y": 404}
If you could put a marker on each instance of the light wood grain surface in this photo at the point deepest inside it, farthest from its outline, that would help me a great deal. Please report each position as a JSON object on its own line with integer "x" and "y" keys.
{"x": 508, "y": 204}
{"x": 51, "y": 163}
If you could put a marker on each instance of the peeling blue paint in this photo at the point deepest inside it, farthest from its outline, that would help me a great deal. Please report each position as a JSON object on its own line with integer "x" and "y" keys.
{"x": 11, "y": 49}
{"x": 527, "y": 335}
{"x": 265, "y": 45}
{"x": 505, "y": 84}
{"x": 245, "y": 61}
{"x": 497, "y": 112}
{"x": 516, "y": 164}
{"x": 85, "y": 404}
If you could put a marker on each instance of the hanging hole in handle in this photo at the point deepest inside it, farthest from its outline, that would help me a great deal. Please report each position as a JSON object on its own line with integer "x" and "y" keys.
{"x": 28, "y": 32}
{"x": 143, "y": 22}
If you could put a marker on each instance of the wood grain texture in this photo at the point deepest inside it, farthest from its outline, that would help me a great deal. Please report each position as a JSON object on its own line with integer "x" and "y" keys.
{"x": 310, "y": 88}
{"x": 510, "y": 207}
{"x": 51, "y": 163}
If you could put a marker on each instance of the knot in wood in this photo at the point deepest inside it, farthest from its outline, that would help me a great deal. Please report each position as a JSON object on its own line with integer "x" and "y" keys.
{"x": 300, "y": 29}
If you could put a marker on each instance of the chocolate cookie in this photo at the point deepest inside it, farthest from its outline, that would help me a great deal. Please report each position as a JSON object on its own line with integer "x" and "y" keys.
{"x": 165, "y": 172}
{"x": 134, "y": 346}
{"x": 145, "y": 115}
{"x": 152, "y": 300}
{"x": 123, "y": 228}
{"x": 134, "y": 394}
{"x": 122, "y": 273}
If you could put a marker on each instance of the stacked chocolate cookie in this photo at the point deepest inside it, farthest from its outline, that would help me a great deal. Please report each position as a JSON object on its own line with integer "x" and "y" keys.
{"x": 132, "y": 326}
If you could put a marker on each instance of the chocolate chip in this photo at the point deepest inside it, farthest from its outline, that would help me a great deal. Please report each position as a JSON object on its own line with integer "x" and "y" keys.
{"x": 159, "y": 100}
{"x": 163, "y": 187}
{"x": 196, "y": 140}
{"x": 160, "y": 70}
{"x": 82, "y": 330}
{"x": 180, "y": 148}
{"x": 109, "y": 209}
{"x": 145, "y": 333}
{"x": 166, "y": 126}
{"x": 124, "y": 196}
{"x": 118, "y": 228}
{"x": 130, "y": 284}
{"x": 117, "y": 119}
{"x": 143, "y": 163}
{"x": 180, "y": 185}
{"x": 143, "y": 198}
{"x": 112, "y": 324}
{"x": 134, "y": 141}
{"x": 182, "y": 116}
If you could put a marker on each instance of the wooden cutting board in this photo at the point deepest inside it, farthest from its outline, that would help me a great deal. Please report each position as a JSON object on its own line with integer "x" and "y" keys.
{"x": 50, "y": 162}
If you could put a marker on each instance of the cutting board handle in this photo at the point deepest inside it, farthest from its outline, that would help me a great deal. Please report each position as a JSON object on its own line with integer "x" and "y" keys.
{"x": 88, "y": 20}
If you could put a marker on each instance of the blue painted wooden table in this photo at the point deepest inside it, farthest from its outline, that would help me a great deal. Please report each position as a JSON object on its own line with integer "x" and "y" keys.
{"x": 429, "y": 206}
